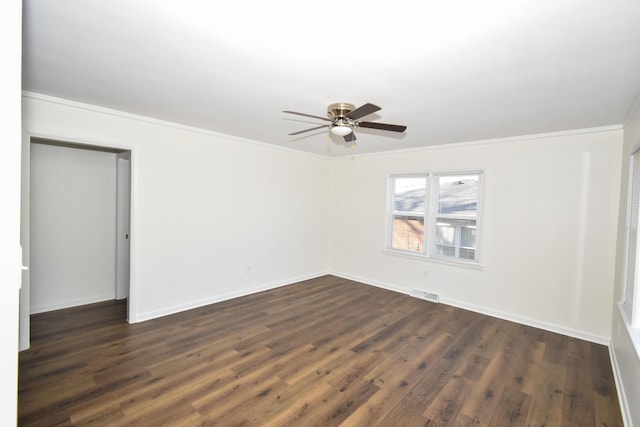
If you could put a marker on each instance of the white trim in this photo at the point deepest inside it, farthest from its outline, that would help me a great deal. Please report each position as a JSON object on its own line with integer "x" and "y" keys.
{"x": 391, "y": 212}
{"x": 625, "y": 408}
{"x": 132, "y": 304}
{"x": 134, "y": 241}
{"x": 433, "y": 220}
{"x": 487, "y": 311}
{"x": 507, "y": 139}
{"x": 598, "y": 339}
{"x": 158, "y": 122}
{"x": 632, "y": 331}
{"x": 428, "y": 252}
{"x": 371, "y": 282}
{"x": 631, "y": 319}
{"x": 123, "y": 201}
{"x": 141, "y": 118}
{"x": 72, "y": 303}
{"x": 422, "y": 257}
{"x": 88, "y": 142}
{"x": 224, "y": 297}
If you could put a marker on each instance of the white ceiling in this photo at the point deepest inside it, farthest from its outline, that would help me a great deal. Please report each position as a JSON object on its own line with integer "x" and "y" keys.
{"x": 451, "y": 71}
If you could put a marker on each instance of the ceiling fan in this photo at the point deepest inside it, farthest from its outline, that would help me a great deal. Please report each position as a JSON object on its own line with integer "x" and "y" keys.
{"x": 344, "y": 118}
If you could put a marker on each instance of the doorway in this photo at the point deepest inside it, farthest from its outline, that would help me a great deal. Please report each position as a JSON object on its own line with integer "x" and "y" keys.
{"x": 78, "y": 227}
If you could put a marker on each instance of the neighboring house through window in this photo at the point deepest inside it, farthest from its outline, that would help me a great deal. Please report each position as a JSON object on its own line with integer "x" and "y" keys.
{"x": 409, "y": 211}
{"x": 435, "y": 215}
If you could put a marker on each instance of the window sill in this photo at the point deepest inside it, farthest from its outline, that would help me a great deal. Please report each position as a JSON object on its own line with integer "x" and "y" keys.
{"x": 634, "y": 333}
{"x": 422, "y": 257}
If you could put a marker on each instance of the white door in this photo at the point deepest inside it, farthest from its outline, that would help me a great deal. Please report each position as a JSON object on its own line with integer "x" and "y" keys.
{"x": 123, "y": 229}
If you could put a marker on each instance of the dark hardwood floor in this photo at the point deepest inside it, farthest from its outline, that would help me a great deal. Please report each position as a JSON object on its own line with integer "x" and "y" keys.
{"x": 323, "y": 352}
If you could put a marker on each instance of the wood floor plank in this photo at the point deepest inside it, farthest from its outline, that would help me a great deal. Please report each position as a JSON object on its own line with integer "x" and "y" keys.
{"x": 447, "y": 405}
{"x": 260, "y": 372}
{"x": 578, "y": 405}
{"x": 512, "y": 408}
{"x": 292, "y": 402}
{"x": 322, "y": 352}
{"x": 394, "y": 383}
{"x": 546, "y": 407}
{"x": 484, "y": 400}
{"x": 435, "y": 376}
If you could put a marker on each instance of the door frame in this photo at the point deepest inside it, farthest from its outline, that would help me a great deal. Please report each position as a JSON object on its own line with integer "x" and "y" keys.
{"x": 25, "y": 217}
{"x": 123, "y": 208}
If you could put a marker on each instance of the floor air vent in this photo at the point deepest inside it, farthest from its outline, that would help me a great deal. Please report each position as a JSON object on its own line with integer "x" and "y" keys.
{"x": 427, "y": 296}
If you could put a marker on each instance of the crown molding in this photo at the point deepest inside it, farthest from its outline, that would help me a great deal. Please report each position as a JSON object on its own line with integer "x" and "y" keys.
{"x": 158, "y": 122}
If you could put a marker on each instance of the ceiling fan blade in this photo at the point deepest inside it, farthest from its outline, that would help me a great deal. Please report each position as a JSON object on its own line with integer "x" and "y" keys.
{"x": 383, "y": 126}
{"x": 308, "y": 130}
{"x": 350, "y": 137}
{"x": 308, "y": 115}
{"x": 362, "y": 111}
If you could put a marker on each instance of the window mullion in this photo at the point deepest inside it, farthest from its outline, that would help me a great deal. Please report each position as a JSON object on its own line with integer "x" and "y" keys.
{"x": 430, "y": 234}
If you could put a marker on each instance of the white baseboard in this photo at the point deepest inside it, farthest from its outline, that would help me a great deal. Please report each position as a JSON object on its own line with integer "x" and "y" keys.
{"x": 371, "y": 282}
{"x": 444, "y": 300}
{"x": 625, "y": 409}
{"x": 597, "y": 339}
{"x": 489, "y": 312}
{"x": 72, "y": 303}
{"x": 224, "y": 297}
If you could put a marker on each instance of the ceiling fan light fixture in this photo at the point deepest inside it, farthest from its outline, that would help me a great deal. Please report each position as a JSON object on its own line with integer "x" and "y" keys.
{"x": 341, "y": 130}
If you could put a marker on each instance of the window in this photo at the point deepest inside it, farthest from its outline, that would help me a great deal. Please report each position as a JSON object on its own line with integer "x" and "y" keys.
{"x": 457, "y": 212}
{"x": 409, "y": 203}
{"x": 629, "y": 303}
{"x": 440, "y": 223}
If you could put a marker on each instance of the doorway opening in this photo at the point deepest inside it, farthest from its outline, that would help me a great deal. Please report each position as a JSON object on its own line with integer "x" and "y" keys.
{"x": 77, "y": 240}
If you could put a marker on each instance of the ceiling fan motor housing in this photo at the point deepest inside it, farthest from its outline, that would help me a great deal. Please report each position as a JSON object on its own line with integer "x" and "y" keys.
{"x": 339, "y": 109}
{"x": 337, "y": 112}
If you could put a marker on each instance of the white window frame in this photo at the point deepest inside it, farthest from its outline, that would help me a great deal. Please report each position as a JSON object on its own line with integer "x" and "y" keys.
{"x": 458, "y": 235}
{"x": 392, "y": 213}
{"x": 630, "y": 304}
{"x": 429, "y": 252}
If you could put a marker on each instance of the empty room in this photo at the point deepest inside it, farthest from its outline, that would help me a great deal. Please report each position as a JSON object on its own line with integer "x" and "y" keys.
{"x": 289, "y": 213}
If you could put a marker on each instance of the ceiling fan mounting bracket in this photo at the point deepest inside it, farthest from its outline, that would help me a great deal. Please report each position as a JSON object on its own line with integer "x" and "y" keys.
{"x": 339, "y": 110}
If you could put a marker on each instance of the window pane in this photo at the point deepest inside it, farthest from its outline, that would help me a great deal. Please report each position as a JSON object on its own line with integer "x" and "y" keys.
{"x": 450, "y": 251}
{"x": 409, "y": 194}
{"x": 408, "y": 233}
{"x": 469, "y": 254}
{"x": 468, "y": 236}
{"x": 445, "y": 233}
{"x": 445, "y": 250}
{"x": 456, "y": 238}
{"x": 458, "y": 194}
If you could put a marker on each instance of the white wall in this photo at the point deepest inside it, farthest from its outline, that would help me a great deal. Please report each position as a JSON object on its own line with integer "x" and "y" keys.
{"x": 73, "y": 227}
{"x": 625, "y": 357}
{"x": 549, "y": 229}
{"x": 213, "y": 216}
{"x": 10, "y": 51}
